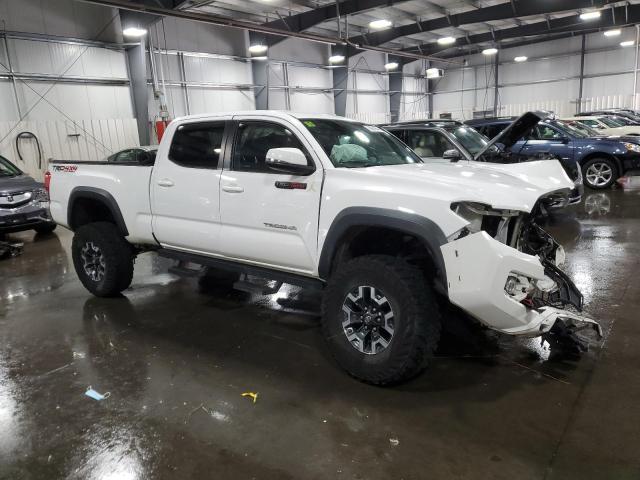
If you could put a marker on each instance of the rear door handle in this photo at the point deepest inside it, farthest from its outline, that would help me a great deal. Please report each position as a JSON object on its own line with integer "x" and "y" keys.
{"x": 165, "y": 182}
{"x": 233, "y": 188}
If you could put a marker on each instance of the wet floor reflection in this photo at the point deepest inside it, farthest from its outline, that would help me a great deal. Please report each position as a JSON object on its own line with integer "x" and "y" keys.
{"x": 177, "y": 354}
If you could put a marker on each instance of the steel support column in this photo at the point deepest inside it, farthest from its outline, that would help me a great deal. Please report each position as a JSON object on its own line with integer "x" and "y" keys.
{"x": 581, "y": 80}
{"x": 395, "y": 89}
{"x": 138, "y": 75}
{"x": 496, "y": 93}
{"x": 260, "y": 75}
{"x": 340, "y": 82}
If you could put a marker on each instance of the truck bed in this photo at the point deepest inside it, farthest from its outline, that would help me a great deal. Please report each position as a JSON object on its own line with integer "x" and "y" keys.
{"x": 127, "y": 183}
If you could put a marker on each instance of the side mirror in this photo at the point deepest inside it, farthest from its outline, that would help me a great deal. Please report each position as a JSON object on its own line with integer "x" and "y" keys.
{"x": 288, "y": 160}
{"x": 452, "y": 155}
{"x": 564, "y": 140}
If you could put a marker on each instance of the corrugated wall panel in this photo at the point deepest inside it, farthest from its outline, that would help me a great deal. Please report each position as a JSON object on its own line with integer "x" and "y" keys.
{"x": 80, "y": 140}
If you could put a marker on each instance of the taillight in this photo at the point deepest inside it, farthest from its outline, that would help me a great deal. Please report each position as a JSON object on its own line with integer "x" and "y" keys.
{"x": 47, "y": 180}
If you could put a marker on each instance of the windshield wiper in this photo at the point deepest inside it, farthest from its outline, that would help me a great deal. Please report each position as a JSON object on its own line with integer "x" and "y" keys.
{"x": 358, "y": 164}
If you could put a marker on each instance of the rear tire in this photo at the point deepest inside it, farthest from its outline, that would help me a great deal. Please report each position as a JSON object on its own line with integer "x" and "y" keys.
{"x": 386, "y": 335}
{"x": 103, "y": 259}
{"x": 599, "y": 173}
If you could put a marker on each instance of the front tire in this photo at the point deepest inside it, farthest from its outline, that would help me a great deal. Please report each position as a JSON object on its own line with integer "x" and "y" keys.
{"x": 380, "y": 319}
{"x": 599, "y": 173}
{"x": 103, "y": 259}
{"x": 45, "y": 229}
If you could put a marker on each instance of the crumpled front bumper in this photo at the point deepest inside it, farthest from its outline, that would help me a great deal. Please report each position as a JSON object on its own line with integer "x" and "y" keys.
{"x": 477, "y": 269}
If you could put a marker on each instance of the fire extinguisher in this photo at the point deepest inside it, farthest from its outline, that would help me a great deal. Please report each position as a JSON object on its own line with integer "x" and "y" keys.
{"x": 161, "y": 126}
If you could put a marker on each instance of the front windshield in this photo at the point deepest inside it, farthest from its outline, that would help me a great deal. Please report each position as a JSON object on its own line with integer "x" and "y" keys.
{"x": 566, "y": 128}
{"x": 610, "y": 122}
{"x": 352, "y": 145}
{"x": 473, "y": 141}
{"x": 8, "y": 169}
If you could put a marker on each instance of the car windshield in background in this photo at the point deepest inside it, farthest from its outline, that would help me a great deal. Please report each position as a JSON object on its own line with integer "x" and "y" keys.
{"x": 620, "y": 120}
{"x": 610, "y": 122}
{"x": 8, "y": 169}
{"x": 566, "y": 128}
{"x": 587, "y": 130}
{"x": 473, "y": 141}
{"x": 353, "y": 145}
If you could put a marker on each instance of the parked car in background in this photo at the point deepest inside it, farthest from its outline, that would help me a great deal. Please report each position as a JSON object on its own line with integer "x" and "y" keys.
{"x": 24, "y": 203}
{"x": 144, "y": 155}
{"x": 632, "y": 117}
{"x": 605, "y": 125}
{"x": 448, "y": 140}
{"x": 602, "y": 159}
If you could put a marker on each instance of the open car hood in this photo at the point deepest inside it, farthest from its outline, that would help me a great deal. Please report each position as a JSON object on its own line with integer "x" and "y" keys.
{"x": 514, "y": 132}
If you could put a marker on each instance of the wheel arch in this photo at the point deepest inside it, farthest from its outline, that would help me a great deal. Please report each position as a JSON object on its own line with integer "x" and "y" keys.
{"x": 353, "y": 218}
{"x": 608, "y": 156}
{"x": 106, "y": 206}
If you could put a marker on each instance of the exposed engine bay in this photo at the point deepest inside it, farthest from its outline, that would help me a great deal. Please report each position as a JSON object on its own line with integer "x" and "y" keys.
{"x": 552, "y": 294}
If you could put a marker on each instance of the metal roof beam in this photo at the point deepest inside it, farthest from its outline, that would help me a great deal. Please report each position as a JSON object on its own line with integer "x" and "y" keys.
{"x": 554, "y": 25}
{"x": 502, "y": 11}
{"x": 305, "y": 20}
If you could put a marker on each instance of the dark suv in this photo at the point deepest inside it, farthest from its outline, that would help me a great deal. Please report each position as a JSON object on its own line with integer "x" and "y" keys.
{"x": 448, "y": 140}
{"x": 602, "y": 159}
{"x": 24, "y": 203}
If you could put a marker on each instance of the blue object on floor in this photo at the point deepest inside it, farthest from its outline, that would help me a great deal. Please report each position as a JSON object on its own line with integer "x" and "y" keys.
{"x": 96, "y": 395}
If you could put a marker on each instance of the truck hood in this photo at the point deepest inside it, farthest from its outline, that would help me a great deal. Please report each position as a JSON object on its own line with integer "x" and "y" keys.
{"x": 503, "y": 186}
{"x": 17, "y": 184}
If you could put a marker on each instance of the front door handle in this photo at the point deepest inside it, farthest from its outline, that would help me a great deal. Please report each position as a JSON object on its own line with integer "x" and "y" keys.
{"x": 233, "y": 188}
{"x": 165, "y": 182}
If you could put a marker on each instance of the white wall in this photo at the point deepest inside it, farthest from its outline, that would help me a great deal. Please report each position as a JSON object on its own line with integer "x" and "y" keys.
{"x": 305, "y": 64}
{"x": 84, "y": 119}
{"x": 366, "y": 99}
{"x": 65, "y": 18}
{"x": 548, "y": 80}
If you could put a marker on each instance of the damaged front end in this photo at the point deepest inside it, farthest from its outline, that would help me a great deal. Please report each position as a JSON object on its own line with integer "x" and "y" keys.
{"x": 503, "y": 269}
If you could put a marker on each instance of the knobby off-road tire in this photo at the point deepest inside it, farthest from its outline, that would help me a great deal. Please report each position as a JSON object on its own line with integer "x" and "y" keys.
{"x": 401, "y": 294}
{"x": 103, "y": 259}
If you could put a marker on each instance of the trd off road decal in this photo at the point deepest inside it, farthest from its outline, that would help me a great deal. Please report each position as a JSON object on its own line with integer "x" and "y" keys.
{"x": 65, "y": 168}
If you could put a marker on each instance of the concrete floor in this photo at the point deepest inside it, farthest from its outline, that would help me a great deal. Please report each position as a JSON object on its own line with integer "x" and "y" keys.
{"x": 176, "y": 357}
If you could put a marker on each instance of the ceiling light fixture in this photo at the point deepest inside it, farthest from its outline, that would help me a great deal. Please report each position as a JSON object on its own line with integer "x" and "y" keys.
{"x": 336, "y": 59}
{"x": 258, "y": 48}
{"x": 391, "y": 66}
{"x": 489, "y": 51}
{"x": 259, "y": 57}
{"x": 446, "y": 41}
{"x": 521, "y": 58}
{"x": 134, "y": 32}
{"x": 590, "y": 15}
{"x": 435, "y": 73}
{"x": 627, "y": 43}
{"x": 379, "y": 24}
{"x": 612, "y": 33}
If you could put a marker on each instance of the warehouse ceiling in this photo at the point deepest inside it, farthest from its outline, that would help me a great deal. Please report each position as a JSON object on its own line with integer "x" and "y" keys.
{"x": 416, "y": 25}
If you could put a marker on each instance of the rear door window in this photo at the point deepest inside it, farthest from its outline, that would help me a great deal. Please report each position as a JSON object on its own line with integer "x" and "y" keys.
{"x": 197, "y": 145}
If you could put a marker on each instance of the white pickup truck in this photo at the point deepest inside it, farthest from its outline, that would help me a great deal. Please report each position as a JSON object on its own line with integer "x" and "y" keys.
{"x": 324, "y": 201}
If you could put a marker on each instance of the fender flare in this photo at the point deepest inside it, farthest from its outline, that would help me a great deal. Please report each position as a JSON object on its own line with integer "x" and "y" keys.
{"x": 101, "y": 196}
{"x": 421, "y": 227}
